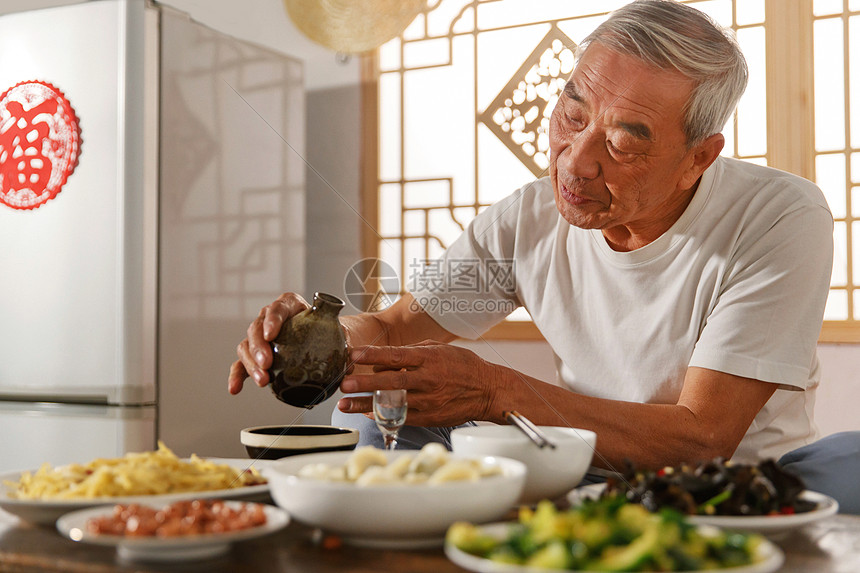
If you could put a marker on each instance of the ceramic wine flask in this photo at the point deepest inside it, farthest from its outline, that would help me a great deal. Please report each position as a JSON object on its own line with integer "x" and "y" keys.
{"x": 310, "y": 354}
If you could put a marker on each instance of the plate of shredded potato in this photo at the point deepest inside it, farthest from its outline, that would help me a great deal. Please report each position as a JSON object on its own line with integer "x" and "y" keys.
{"x": 43, "y": 495}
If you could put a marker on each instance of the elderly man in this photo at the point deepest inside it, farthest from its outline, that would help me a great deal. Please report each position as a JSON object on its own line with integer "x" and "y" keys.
{"x": 682, "y": 292}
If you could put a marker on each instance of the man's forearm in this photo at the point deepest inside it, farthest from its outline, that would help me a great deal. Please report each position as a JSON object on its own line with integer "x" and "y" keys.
{"x": 649, "y": 435}
{"x": 366, "y": 329}
{"x": 397, "y": 325}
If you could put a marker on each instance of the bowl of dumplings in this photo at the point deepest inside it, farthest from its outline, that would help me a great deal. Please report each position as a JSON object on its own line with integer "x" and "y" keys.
{"x": 395, "y": 499}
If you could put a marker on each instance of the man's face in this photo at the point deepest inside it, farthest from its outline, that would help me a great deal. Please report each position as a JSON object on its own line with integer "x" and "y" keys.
{"x": 620, "y": 162}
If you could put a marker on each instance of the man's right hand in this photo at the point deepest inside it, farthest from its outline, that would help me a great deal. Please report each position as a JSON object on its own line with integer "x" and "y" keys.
{"x": 255, "y": 352}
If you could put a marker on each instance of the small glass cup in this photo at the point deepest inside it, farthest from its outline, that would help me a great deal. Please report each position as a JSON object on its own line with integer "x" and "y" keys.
{"x": 389, "y": 412}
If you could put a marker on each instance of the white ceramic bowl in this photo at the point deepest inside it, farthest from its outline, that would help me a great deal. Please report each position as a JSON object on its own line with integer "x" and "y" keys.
{"x": 551, "y": 472}
{"x": 407, "y": 515}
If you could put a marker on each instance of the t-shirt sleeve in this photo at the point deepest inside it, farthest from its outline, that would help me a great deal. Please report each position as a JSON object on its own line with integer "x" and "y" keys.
{"x": 473, "y": 285}
{"x": 767, "y": 318}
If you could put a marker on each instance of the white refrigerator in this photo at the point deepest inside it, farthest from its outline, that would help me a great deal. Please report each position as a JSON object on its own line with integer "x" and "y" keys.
{"x": 123, "y": 297}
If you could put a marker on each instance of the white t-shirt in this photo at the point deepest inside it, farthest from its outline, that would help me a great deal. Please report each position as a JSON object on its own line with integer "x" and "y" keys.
{"x": 738, "y": 285}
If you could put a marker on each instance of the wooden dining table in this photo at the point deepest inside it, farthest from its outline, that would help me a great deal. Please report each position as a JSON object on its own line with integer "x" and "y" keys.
{"x": 831, "y": 545}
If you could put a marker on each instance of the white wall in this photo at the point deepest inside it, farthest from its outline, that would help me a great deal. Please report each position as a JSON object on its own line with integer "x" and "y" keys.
{"x": 264, "y": 22}
{"x": 839, "y": 393}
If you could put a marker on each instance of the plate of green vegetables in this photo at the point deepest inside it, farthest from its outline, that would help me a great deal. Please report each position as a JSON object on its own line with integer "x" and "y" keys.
{"x": 607, "y": 534}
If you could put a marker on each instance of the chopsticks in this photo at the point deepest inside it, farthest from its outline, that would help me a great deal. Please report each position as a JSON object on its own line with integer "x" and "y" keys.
{"x": 529, "y": 429}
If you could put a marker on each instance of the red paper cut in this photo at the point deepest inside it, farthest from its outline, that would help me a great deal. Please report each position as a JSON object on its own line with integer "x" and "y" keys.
{"x": 40, "y": 141}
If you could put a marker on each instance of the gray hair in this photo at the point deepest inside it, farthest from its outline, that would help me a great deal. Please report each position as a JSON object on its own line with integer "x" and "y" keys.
{"x": 668, "y": 34}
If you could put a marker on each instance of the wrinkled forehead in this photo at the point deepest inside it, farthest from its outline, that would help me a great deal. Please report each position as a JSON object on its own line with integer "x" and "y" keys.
{"x": 600, "y": 44}
{"x": 619, "y": 72}
{"x": 607, "y": 81}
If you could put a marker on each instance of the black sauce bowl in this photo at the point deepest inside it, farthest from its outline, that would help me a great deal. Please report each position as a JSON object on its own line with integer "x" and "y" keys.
{"x": 275, "y": 442}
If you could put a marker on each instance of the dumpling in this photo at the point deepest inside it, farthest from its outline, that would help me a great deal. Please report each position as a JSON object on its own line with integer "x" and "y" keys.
{"x": 398, "y": 468}
{"x": 323, "y": 471}
{"x": 415, "y": 479}
{"x": 455, "y": 470}
{"x": 315, "y": 471}
{"x": 376, "y": 475}
{"x": 489, "y": 470}
{"x": 429, "y": 459}
{"x": 362, "y": 459}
